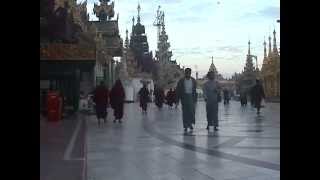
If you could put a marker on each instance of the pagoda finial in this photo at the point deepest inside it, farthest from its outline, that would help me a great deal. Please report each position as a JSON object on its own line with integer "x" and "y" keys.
{"x": 265, "y": 47}
{"x": 162, "y": 21}
{"x": 269, "y": 54}
{"x": 139, "y": 8}
{"x": 212, "y": 66}
{"x": 275, "y": 49}
{"x": 127, "y": 40}
{"x": 249, "y": 47}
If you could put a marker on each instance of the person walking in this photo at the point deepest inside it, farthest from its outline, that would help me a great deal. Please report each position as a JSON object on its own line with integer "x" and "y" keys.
{"x": 100, "y": 98}
{"x": 186, "y": 92}
{"x": 210, "y": 93}
{"x": 159, "y": 97}
{"x": 243, "y": 98}
{"x": 226, "y": 96}
{"x": 257, "y": 95}
{"x": 170, "y": 97}
{"x": 176, "y": 99}
{"x": 117, "y": 96}
{"x": 144, "y": 98}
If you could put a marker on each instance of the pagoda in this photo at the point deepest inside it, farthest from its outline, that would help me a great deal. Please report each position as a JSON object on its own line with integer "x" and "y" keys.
{"x": 214, "y": 69}
{"x": 139, "y": 45}
{"x": 250, "y": 73}
{"x": 167, "y": 71}
{"x": 270, "y": 71}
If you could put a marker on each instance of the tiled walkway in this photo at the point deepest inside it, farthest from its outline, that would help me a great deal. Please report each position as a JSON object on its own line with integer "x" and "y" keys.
{"x": 154, "y": 147}
{"x": 62, "y": 149}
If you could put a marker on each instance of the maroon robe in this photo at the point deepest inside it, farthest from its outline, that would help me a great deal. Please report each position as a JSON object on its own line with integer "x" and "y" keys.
{"x": 117, "y": 97}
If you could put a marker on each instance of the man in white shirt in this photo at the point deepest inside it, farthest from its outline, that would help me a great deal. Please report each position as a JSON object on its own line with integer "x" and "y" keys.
{"x": 186, "y": 92}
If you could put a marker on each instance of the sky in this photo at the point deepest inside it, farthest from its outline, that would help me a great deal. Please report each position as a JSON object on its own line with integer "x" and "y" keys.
{"x": 200, "y": 29}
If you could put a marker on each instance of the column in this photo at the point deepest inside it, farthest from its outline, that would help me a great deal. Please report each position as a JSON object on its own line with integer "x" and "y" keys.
{"x": 76, "y": 90}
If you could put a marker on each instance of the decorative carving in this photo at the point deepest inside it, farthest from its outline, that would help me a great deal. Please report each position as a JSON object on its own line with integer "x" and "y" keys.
{"x": 59, "y": 51}
{"x": 104, "y": 11}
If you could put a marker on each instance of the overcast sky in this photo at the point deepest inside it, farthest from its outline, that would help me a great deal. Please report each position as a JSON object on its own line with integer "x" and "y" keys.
{"x": 199, "y": 29}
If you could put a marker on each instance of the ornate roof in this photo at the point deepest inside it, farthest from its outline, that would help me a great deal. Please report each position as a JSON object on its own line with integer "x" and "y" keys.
{"x": 104, "y": 11}
{"x": 108, "y": 27}
{"x": 59, "y": 51}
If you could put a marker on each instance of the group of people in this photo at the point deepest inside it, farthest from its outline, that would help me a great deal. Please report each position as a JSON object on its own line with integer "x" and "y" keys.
{"x": 184, "y": 92}
{"x": 159, "y": 98}
{"x": 256, "y": 94}
{"x": 102, "y": 98}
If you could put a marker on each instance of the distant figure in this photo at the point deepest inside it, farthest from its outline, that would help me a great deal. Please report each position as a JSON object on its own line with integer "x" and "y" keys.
{"x": 170, "y": 97}
{"x": 176, "y": 99}
{"x": 44, "y": 95}
{"x": 257, "y": 94}
{"x": 219, "y": 96}
{"x": 159, "y": 97}
{"x": 144, "y": 98}
{"x": 186, "y": 92}
{"x": 117, "y": 96}
{"x": 251, "y": 96}
{"x": 243, "y": 98}
{"x": 210, "y": 93}
{"x": 82, "y": 102}
{"x": 226, "y": 96}
{"x": 101, "y": 95}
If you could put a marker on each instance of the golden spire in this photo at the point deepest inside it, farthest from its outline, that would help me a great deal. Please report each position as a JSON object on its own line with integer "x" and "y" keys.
{"x": 139, "y": 8}
{"x": 265, "y": 47}
{"x": 269, "y": 54}
{"x": 132, "y": 31}
{"x": 275, "y": 49}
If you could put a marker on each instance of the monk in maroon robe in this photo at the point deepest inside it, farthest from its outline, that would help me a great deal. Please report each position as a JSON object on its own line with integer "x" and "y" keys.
{"x": 117, "y": 97}
{"x": 101, "y": 95}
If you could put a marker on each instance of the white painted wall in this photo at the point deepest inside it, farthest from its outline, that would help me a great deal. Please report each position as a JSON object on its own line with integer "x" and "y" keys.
{"x": 133, "y": 86}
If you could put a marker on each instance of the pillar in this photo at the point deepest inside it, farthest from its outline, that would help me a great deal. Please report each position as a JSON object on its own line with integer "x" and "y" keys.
{"x": 76, "y": 90}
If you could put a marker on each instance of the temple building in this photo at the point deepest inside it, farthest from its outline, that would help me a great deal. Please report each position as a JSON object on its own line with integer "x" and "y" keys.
{"x": 270, "y": 71}
{"x": 108, "y": 42}
{"x": 67, "y": 51}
